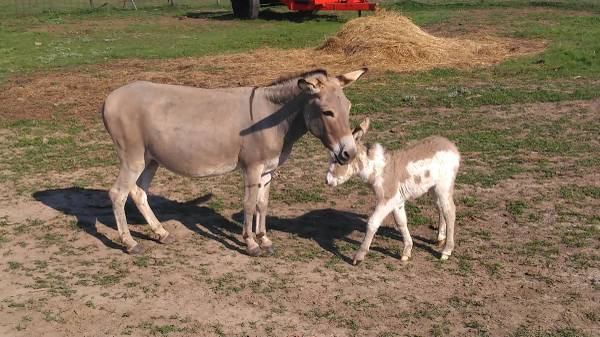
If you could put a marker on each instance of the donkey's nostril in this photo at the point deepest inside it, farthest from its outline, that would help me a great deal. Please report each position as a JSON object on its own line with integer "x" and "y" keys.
{"x": 345, "y": 155}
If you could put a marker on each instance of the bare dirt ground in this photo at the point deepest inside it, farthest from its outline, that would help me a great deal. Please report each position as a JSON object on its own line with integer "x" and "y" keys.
{"x": 526, "y": 261}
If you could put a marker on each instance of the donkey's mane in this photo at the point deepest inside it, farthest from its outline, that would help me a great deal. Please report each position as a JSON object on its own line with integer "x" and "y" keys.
{"x": 288, "y": 77}
{"x": 285, "y": 88}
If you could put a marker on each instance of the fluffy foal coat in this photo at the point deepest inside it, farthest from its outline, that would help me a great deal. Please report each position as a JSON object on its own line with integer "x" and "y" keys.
{"x": 429, "y": 165}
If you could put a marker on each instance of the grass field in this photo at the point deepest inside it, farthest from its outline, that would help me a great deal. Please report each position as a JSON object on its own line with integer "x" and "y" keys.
{"x": 527, "y": 259}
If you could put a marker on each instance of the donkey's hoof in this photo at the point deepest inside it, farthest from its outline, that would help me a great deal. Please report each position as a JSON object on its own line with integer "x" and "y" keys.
{"x": 405, "y": 258}
{"x": 444, "y": 257}
{"x": 441, "y": 243}
{"x": 136, "y": 250}
{"x": 253, "y": 251}
{"x": 270, "y": 250}
{"x": 170, "y": 238}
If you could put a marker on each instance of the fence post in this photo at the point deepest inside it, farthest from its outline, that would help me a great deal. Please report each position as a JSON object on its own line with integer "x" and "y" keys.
{"x": 92, "y": 4}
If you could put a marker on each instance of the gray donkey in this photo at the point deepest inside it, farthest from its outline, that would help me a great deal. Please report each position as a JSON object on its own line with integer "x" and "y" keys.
{"x": 202, "y": 132}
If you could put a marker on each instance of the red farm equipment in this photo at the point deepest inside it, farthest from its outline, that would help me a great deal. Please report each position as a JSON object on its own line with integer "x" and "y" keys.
{"x": 248, "y": 9}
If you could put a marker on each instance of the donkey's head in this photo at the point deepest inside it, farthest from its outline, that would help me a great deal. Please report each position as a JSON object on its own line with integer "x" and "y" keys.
{"x": 337, "y": 173}
{"x": 327, "y": 112}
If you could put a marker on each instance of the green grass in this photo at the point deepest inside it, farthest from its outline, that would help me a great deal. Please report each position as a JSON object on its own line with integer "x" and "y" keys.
{"x": 12, "y": 265}
{"x": 516, "y": 207}
{"x": 568, "y": 69}
{"x": 55, "y": 40}
{"x": 41, "y": 146}
{"x": 574, "y": 192}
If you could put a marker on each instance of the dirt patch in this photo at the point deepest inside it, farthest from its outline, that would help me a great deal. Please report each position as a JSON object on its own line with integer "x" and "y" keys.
{"x": 123, "y": 23}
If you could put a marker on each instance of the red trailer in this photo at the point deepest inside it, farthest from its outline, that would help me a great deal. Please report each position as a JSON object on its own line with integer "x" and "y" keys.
{"x": 248, "y": 9}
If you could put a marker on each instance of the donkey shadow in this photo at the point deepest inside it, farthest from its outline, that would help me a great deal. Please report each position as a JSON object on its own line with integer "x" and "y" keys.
{"x": 324, "y": 226}
{"x": 91, "y": 205}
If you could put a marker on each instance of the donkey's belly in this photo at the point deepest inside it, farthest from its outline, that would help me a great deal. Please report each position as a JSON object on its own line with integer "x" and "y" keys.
{"x": 195, "y": 166}
{"x": 194, "y": 156}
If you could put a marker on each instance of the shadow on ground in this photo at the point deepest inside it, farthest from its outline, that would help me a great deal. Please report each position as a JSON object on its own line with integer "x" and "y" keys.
{"x": 324, "y": 226}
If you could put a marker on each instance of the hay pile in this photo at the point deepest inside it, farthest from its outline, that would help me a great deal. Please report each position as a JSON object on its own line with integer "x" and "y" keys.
{"x": 390, "y": 41}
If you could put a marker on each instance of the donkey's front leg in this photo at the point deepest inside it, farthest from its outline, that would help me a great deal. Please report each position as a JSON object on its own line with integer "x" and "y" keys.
{"x": 261, "y": 214}
{"x": 381, "y": 211}
{"x": 252, "y": 183}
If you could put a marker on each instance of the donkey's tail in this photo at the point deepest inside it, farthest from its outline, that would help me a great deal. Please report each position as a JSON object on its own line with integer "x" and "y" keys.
{"x": 102, "y": 109}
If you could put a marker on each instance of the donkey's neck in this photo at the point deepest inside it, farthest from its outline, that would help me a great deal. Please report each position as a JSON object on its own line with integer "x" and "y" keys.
{"x": 293, "y": 127}
{"x": 289, "y": 102}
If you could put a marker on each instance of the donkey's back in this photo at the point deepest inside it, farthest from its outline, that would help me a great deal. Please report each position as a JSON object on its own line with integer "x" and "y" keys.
{"x": 190, "y": 131}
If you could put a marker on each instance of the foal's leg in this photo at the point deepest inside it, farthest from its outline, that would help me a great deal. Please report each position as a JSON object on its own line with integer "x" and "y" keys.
{"x": 261, "y": 214}
{"x": 401, "y": 221}
{"x": 449, "y": 212}
{"x": 441, "y": 239}
{"x": 128, "y": 174}
{"x": 140, "y": 198}
{"x": 251, "y": 181}
{"x": 381, "y": 211}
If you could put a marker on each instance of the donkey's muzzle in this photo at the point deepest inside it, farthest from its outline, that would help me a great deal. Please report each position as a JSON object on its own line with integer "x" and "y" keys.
{"x": 345, "y": 155}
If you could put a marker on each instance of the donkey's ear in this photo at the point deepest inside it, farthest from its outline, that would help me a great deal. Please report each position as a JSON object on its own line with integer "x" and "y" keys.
{"x": 349, "y": 78}
{"x": 311, "y": 85}
{"x": 361, "y": 129}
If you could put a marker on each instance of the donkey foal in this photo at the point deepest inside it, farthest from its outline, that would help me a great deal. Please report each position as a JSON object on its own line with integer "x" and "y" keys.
{"x": 397, "y": 176}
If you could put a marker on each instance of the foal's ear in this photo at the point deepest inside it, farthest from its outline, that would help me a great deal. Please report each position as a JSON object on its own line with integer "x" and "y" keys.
{"x": 311, "y": 85}
{"x": 349, "y": 78}
{"x": 361, "y": 129}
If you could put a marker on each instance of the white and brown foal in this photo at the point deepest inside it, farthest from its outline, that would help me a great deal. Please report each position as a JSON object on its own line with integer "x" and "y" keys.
{"x": 429, "y": 165}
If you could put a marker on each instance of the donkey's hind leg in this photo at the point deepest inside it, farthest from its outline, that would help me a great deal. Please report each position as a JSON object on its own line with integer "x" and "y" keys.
{"x": 139, "y": 194}
{"x": 128, "y": 174}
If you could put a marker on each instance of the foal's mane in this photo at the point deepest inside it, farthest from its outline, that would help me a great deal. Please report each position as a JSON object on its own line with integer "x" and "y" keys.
{"x": 292, "y": 76}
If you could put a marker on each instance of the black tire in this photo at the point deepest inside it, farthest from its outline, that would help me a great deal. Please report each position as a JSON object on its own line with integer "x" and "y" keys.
{"x": 245, "y": 9}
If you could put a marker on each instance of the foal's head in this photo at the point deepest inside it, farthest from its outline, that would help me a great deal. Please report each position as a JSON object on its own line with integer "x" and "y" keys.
{"x": 337, "y": 173}
{"x": 327, "y": 112}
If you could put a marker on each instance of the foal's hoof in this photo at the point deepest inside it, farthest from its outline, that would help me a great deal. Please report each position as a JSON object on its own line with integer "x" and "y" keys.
{"x": 136, "y": 250}
{"x": 444, "y": 257}
{"x": 358, "y": 258}
{"x": 405, "y": 258}
{"x": 170, "y": 238}
{"x": 253, "y": 251}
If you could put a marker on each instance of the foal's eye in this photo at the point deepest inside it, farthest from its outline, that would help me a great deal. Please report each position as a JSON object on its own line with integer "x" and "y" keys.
{"x": 328, "y": 113}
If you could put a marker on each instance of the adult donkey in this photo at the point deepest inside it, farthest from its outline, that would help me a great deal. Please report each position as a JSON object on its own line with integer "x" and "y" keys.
{"x": 202, "y": 132}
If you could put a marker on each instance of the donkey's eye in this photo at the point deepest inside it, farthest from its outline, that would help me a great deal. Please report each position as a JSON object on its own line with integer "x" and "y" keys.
{"x": 328, "y": 113}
